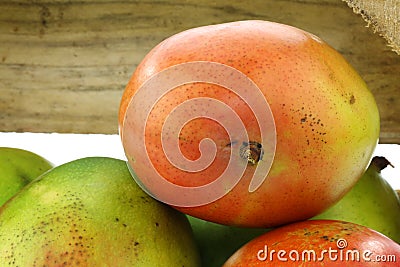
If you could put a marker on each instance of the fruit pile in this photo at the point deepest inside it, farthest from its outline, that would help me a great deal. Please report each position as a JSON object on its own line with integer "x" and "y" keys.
{"x": 247, "y": 143}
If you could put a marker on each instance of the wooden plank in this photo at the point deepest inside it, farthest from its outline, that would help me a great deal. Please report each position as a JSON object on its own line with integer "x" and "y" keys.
{"x": 64, "y": 64}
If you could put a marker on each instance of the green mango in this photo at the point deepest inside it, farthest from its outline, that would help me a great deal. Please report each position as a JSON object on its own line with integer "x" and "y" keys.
{"x": 372, "y": 202}
{"x": 218, "y": 242}
{"x": 18, "y": 167}
{"x": 90, "y": 212}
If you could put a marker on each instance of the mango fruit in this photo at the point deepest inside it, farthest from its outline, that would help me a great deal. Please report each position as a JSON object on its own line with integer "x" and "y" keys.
{"x": 247, "y": 123}
{"x": 18, "y": 167}
{"x": 217, "y": 242}
{"x": 372, "y": 202}
{"x": 313, "y": 243}
{"x": 90, "y": 212}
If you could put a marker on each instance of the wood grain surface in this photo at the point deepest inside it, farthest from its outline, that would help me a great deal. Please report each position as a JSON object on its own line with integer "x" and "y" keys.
{"x": 64, "y": 63}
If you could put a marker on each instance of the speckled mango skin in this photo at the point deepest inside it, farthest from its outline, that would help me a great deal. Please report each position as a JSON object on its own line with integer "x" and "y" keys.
{"x": 327, "y": 121}
{"x": 343, "y": 239}
{"x": 90, "y": 212}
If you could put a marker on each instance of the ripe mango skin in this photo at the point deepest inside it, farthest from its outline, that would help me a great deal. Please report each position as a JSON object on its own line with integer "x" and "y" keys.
{"x": 90, "y": 212}
{"x": 327, "y": 121}
{"x": 332, "y": 242}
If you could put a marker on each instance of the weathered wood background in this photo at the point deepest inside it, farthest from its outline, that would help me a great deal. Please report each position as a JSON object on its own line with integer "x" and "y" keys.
{"x": 64, "y": 63}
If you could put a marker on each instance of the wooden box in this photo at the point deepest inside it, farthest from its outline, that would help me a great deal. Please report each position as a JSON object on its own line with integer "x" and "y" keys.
{"x": 64, "y": 63}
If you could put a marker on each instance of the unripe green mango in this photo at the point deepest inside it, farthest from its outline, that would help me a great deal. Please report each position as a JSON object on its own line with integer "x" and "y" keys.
{"x": 372, "y": 202}
{"x": 90, "y": 212}
{"x": 217, "y": 242}
{"x": 18, "y": 167}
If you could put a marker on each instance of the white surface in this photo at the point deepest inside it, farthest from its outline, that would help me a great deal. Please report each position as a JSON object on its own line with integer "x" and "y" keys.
{"x": 62, "y": 148}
